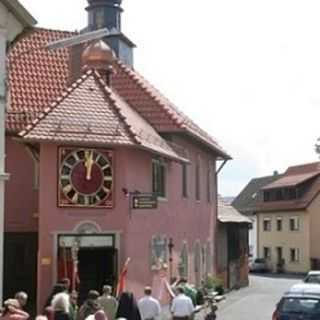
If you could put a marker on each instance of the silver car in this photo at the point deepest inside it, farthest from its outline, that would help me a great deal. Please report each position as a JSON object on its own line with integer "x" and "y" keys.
{"x": 258, "y": 265}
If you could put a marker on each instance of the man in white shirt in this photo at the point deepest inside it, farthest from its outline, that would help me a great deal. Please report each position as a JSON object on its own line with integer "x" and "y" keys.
{"x": 149, "y": 307}
{"x": 182, "y": 307}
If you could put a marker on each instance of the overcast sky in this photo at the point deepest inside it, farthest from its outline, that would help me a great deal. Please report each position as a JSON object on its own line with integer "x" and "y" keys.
{"x": 247, "y": 71}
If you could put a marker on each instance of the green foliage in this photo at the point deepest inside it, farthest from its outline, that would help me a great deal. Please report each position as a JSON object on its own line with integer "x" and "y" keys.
{"x": 212, "y": 283}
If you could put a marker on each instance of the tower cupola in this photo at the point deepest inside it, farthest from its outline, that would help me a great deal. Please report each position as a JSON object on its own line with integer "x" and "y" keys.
{"x": 107, "y": 14}
{"x": 104, "y": 14}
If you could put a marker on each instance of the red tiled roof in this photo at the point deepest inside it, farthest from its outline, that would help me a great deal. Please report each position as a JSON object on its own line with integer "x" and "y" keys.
{"x": 91, "y": 113}
{"x": 38, "y": 76}
{"x": 290, "y": 180}
{"x": 309, "y": 174}
{"x": 156, "y": 108}
{"x": 297, "y": 204}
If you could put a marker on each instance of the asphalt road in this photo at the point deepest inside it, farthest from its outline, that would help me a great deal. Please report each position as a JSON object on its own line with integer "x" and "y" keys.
{"x": 257, "y": 302}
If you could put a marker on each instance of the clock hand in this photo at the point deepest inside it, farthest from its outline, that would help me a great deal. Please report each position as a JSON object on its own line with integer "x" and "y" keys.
{"x": 88, "y": 164}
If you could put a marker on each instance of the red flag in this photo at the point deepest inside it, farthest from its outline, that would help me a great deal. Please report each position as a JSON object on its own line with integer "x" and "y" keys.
{"x": 122, "y": 279}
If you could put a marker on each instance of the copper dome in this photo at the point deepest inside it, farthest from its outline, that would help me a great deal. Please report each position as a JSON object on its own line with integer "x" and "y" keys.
{"x": 98, "y": 55}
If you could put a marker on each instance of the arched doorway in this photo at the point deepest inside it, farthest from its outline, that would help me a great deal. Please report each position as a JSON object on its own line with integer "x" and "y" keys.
{"x": 88, "y": 257}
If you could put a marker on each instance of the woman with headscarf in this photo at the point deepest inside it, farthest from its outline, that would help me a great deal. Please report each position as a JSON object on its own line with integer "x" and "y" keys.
{"x": 12, "y": 311}
{"x": 128, "y": 307}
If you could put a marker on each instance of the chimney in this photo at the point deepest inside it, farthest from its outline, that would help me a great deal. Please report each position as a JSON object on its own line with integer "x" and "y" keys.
{"x": 107, "y": 14}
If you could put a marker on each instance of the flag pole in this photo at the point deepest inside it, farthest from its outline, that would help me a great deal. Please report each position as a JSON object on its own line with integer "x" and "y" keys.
{"x": 122, "y": 279}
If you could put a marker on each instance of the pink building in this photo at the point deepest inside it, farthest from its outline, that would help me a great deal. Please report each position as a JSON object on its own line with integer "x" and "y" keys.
{"x": 82, "y": 144}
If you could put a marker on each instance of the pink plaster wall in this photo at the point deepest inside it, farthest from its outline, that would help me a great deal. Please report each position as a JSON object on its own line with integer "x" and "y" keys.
{"x": 21, "y": 198}
{"x": 181, "y": 219}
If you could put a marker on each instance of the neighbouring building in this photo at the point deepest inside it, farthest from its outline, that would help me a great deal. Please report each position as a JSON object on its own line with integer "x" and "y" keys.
{"x": 86, "y": 135}
{"x": 14, "y": 20}
{"x": 288, "y": 220}
{"x": 246, "y": 203}
{"x": 232, "y": 246}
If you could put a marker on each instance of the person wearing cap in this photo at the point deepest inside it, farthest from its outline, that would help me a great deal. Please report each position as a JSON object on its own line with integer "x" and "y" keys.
{"x": 12, "y": 311}
{"x": 182, "y": 307}
{"x": 149, "y": 307}
{"x": 108, "y": 303}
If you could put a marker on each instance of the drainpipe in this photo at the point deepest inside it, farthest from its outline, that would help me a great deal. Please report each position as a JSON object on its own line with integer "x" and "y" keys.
{"x": 3, "y": 175}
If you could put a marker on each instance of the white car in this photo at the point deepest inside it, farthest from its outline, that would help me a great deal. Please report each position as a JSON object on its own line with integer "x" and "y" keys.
{"x": 312, "y": 277}
{"x": 258, "y": 265}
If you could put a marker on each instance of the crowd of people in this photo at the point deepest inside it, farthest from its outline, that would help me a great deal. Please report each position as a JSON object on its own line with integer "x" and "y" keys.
{"x": 63, "y": 305}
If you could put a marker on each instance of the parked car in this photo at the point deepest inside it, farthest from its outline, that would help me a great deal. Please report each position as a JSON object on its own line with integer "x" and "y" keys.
{"x": 312, "y": 277}
{"x": 301, "y": 302}
{"x": 258, "y": 265}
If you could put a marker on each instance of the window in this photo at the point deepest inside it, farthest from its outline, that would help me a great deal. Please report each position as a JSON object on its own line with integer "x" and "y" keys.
{"x": 209, "y": 184}
{"x": 184, "y": 262}
{"x": 266, "y": 253}
{"x": 198, "y": 179}
{"x": 266, "y": 224}
{"x": 294, "y": 255}
{"x": 279, "y": 224}
{"x": 279, "y": 254}
{"x": 184, "y": 180}
{"x": 294, "y": 224}
{"x": 279, "y": 195}
{"x": 266, "y": 196}
{"x": 159, "y": 178}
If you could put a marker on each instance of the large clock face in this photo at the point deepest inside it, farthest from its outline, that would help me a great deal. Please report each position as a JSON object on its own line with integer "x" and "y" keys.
{"x": 85, "y": 178}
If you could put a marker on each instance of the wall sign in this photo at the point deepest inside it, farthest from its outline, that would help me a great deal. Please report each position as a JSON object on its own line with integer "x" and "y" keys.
{"x": 144, "y": 201}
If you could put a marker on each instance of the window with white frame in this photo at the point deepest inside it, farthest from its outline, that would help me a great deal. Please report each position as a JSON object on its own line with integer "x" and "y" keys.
{"x": 294, "y": 255}
{"x": 267, "y": 253}
{"x": 279, "y": 224}
{"x": 266, "y": 224}
{"x": 159, "y": 178}
{"x": 294, "y": 224}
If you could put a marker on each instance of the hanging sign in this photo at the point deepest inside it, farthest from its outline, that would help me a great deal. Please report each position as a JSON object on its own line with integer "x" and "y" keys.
{"x": 144, "y": 201}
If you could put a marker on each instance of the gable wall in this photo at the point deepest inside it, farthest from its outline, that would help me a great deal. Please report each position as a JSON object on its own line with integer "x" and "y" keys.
{"x": 181, "y": 219}
{"x": 21, "y": 196}
{"x": 314, "y": 212}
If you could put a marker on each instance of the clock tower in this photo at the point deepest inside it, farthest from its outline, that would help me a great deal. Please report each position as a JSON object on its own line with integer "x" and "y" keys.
{"x": 107, "y": 14}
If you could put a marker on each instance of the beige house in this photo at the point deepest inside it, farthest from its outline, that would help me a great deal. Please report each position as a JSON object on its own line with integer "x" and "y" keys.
{"x": 288, "y": 220}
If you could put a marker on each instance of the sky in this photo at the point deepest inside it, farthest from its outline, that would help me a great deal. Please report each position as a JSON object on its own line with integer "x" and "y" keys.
{"x": 246, "y": 71}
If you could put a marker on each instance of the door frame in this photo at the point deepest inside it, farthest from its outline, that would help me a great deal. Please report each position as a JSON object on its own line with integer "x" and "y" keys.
{"x": 115, "y": 233}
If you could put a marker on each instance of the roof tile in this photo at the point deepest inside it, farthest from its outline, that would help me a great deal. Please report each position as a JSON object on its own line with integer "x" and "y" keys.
{"x": 38, "y": 77}
{"x": 104, "y": 119}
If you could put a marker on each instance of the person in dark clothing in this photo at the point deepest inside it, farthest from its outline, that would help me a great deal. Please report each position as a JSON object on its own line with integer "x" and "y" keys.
{"x": 90, "y": 306}
{"x": 128, "y": 307}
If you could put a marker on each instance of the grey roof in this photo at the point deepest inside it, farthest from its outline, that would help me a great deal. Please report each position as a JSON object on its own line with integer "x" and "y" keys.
{"x": 228, "y": 214}
{"x": 246, "y": 201}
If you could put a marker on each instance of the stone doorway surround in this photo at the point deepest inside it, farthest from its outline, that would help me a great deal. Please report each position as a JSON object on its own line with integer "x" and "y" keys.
{"x": 85, "y": 228}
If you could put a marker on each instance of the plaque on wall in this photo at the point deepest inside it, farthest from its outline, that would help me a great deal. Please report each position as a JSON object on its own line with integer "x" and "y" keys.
{"x": 144, "y": 201}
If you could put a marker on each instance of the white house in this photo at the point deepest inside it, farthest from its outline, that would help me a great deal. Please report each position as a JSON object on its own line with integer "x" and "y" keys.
{"x": 14, "y": 19}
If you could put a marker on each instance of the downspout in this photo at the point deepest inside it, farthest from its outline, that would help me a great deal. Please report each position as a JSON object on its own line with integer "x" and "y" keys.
{"x": 3, "y": 175}
{"x": 215, "y": 243}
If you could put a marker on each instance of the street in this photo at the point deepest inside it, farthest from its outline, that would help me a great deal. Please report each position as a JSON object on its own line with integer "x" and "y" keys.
{"x": 257, "y": 302}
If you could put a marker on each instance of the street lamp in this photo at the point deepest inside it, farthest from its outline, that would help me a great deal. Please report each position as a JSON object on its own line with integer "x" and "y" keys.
{"x": 170, "y": 246}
